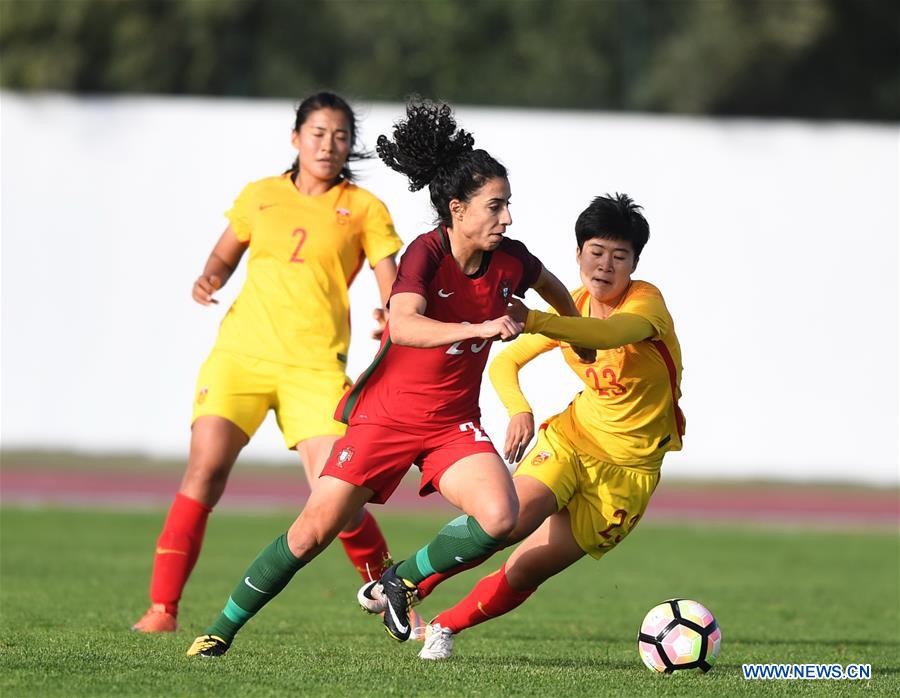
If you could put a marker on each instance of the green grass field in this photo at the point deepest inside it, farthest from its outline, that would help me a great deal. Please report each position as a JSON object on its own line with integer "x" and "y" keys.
{"x": 71, "y": 582}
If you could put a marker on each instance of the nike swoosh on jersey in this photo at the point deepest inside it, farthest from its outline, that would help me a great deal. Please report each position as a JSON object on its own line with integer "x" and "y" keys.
{"x": 263, "y": 207}
{"x": 443, "y": 294}
{"x": 247, "y": 582}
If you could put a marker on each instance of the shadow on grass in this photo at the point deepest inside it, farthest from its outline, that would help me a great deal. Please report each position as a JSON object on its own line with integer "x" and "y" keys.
{"x": 874, "y": 642}
{"x": 519, "y": 660}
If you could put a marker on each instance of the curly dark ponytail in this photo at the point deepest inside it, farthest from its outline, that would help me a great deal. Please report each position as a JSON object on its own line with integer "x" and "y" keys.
{"x": 429, "y": 149}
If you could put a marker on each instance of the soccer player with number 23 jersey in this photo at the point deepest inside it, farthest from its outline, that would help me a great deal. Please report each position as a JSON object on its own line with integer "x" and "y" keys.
{"x": 587, "y": 481}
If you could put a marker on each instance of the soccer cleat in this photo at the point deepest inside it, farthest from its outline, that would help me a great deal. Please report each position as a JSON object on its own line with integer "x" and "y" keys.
{"x": 399, "y": 594}
{"x": 156, "y": 620}
{"x": 371, "y": 597}
{"x": 438, "y": 643}
{"x": 208, "y": 646}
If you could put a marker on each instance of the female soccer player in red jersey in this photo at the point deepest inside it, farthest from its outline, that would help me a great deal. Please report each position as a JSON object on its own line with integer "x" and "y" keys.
{"x": 418, "y": 401}
{"x": 283, "y": 343}
{"x": 587, "y": 481}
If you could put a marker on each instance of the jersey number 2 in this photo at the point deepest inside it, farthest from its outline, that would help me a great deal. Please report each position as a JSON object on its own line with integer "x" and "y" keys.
{"x": 479, "y": 435}
{"x": 296, "y": 256}
{"x": 476, "y": 347}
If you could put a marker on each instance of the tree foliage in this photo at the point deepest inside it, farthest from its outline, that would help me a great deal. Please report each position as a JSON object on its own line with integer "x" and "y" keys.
{"x": 806, "y": 58}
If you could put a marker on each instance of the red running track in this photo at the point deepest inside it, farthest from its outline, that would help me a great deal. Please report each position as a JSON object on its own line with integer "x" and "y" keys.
{"x": 273, "y": 489}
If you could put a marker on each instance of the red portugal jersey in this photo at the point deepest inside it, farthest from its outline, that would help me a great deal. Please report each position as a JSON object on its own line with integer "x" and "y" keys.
{"x": 413, "y": 386}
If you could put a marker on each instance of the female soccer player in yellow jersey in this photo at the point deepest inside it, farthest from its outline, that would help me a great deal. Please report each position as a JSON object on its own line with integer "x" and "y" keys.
{"x": 283, "y": 343}
{"x": 587, "y": 481}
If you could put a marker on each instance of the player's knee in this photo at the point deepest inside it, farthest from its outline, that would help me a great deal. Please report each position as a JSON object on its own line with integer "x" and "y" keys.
{"x": 311, "y": 534}
{"x": 498, "y": 519}
{"x": 305, "y": 543}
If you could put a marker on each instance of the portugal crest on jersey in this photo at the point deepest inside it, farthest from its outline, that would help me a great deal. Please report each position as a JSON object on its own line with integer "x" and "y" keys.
{"x": 344, "y": 456}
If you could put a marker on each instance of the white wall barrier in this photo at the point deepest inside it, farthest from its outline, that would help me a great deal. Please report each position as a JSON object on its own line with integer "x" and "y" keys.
{"x": 775, "y": 244}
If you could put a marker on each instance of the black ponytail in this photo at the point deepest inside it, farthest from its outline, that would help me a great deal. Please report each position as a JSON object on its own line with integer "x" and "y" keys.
{"x": 428, "y": 148}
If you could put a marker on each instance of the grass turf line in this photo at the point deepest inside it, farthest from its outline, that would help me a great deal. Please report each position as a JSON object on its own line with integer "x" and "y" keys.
{"x": 72, "y": 582}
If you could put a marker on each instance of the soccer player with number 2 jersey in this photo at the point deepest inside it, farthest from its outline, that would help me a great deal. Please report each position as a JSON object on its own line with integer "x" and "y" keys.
{"x": 418, "y": 401}
{"x": 587, "y": 481}
{"x": 283, "y": 343}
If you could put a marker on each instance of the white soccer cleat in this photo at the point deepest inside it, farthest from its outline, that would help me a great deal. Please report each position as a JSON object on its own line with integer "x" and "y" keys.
{"x": 371, "y": 597}
{"x": 438, "y": 643}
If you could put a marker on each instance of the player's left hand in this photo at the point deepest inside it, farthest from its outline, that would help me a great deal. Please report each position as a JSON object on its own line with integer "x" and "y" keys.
{"x": 381, "y": 316}
{"x": 518, "y": 435}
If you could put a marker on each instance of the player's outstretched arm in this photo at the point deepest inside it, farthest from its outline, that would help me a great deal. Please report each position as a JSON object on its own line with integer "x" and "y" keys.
{"x": 593, "y": 333}
{"x": 410, "y": 327}
{"x": 552, "y": 290}
{"x": 222, "y": 262}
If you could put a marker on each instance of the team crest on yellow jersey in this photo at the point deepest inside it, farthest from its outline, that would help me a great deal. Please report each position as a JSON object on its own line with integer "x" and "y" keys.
{"x": 540, "y": 457}
{"x": 345, "y": 456}
{"x": 343, "y": 215}
{"x": 201, "y": 394}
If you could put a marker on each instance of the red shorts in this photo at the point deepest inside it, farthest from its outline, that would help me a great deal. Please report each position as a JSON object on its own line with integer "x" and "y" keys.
{"x": 377, "y": 456}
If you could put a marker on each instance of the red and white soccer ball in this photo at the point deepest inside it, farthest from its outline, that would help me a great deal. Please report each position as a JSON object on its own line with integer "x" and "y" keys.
{"x": 679, "y": 634}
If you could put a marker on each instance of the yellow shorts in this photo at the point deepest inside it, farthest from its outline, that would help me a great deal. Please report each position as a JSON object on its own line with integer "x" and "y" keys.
{"x": 605, "y": 501}
{"x": 243, "y": 389}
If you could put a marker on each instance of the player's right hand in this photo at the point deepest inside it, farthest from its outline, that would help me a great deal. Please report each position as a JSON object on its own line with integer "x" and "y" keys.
{"x": 504, "y": 328}
{"x": 204, "y": 288}
{"x": 518, "y": 435}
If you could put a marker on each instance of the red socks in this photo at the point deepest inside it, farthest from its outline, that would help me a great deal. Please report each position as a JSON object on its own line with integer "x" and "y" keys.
{"x": 366, "y": 548}
{"x": 427, "y": 585}
{"x": 177, "y": 550}
{"x": 491, "y": 597}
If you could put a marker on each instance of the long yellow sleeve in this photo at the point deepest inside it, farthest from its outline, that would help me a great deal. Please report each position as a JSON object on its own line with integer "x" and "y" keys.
{"x": 504, "y": 370}
{"x": 591, "y": 333}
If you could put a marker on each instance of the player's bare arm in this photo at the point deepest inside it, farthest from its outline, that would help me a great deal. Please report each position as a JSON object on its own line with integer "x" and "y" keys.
{"x": 410, "y": 327}
{"x": 552, "y": 290}
{"x": 385, "y": 272}
{"x": 222, "y": 262}
{"x": 596, "y": 333}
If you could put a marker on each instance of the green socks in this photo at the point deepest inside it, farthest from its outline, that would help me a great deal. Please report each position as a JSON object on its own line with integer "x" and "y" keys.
{"x": 270, "y": 572}
{"x": 460, "y": 541}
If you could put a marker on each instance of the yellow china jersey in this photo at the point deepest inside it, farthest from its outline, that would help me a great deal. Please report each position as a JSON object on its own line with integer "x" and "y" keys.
{"x": 304, "y": 252}
{"x": 628, "y": 412}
